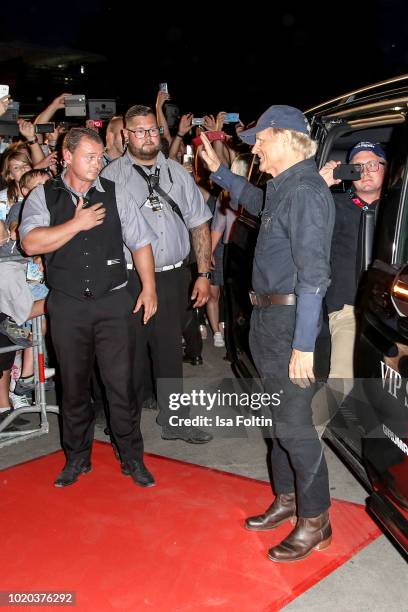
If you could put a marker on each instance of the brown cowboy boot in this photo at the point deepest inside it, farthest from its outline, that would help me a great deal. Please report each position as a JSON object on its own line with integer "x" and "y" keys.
{"x": 283, "y": 509}
{"x": 308, "y": 535}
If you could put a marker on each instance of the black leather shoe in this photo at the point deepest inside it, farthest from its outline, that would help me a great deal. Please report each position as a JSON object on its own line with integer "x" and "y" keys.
{"x": 193, "y": 435}
{"x": 193, "y": 360}
{"x": 139, "y": 473}
{"x": 71, "y": 471}
{"x": 283, "y": 509}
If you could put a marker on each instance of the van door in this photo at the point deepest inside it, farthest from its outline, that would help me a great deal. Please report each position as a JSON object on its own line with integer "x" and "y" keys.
{"x": 381, "y": 352}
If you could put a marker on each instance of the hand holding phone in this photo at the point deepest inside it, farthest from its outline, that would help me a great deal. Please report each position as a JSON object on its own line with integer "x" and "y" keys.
{"x": 347, "y": 172}
{"x": 75, "y": 106}
{"x": 231, "y": 118}
{"x": 44, "y": 128}
{"x": 212, "y": 136}
{"x": 4, "y": 102}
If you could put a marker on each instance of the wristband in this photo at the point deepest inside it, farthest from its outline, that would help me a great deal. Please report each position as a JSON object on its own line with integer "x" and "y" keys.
{"x": 205, "y": 275}
{"x": 180, "y": 135}
{"x": 33, "y": 141}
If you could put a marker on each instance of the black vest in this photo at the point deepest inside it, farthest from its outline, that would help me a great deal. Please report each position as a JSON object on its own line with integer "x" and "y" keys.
{"x": 93, "y": 261}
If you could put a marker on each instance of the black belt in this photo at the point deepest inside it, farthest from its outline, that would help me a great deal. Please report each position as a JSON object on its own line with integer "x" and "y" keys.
{"x": 267, "y": 299}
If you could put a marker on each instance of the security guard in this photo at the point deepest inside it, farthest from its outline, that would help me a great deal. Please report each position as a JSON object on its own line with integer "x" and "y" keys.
{"x": 291, "y": 273}
{"x": 171, "y": 202}
{"x": 81, "y": 222}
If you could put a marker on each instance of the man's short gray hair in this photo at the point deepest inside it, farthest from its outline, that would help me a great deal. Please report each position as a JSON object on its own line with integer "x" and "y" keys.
{"x": 300, "y": 143}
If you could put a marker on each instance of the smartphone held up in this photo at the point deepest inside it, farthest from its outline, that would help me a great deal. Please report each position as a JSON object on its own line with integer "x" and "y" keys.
{"x": 188, "y": 159}
{"x": 347, "y": 172}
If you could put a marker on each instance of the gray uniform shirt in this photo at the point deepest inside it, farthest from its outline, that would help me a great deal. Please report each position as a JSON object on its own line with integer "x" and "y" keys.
{"x": 135, "y": 231}
{"x": 172, "y": 244}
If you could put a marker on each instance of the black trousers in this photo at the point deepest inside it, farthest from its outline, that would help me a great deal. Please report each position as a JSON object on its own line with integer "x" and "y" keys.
{"x": 190, "y": 322}
{"x": 160, "y": 339}
{"x": 298, "y": 462}
{"x": 82, "y": 330}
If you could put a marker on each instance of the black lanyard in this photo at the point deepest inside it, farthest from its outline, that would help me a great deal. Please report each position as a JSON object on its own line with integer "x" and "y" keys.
{"x": 156, "y": 187}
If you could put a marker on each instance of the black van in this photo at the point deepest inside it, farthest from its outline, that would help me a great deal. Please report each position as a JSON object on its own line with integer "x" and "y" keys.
{"x": 370, "y": 431}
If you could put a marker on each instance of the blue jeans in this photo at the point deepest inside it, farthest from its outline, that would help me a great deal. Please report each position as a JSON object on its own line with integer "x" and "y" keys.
{"x": 298, "y": 462}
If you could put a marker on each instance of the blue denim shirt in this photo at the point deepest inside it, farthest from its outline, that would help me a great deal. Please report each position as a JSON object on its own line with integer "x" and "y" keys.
{"x": 292, "y": 252}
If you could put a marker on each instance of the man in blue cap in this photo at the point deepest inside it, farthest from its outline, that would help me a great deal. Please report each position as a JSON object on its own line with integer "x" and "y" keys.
{"x": 351, "y": 255}
{"x": 291, "y": 273}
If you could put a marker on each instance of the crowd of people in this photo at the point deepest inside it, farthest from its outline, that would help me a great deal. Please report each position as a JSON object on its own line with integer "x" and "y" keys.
{"x": 119, "y": 241}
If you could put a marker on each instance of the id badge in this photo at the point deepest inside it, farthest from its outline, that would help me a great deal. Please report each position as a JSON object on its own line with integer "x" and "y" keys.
{"x": 155, "y": 203}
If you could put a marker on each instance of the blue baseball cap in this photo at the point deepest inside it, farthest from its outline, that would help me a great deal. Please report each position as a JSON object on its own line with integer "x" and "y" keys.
{"x": 373, "y": 147}
{"x": 278, "y": 116}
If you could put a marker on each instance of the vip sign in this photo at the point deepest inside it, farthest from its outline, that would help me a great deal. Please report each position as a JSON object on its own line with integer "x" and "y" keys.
{"x": 392, "y": 382}
{"x": 101, "y": 109}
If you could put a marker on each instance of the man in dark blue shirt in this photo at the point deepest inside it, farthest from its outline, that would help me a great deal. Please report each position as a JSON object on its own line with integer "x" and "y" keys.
{"x": 291, "y": 273}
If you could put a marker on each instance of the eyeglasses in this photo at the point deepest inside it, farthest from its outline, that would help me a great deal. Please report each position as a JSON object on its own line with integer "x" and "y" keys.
{"x": 371, "y": 166}
{"x": 142, "y": 132}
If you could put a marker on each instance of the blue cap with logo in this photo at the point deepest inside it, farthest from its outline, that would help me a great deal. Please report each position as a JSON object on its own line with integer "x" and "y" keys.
{"x": 372, "y": 147}
{"x": 278, "y": 116}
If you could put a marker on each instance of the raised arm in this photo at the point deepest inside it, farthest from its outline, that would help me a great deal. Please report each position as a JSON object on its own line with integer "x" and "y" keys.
{"x": 241, "y": 190}
{"x": 47, "y": 114}
{"x": 28, "y": 131}
{"x": 162, "y": 97}
{"x": 183, "y": 128}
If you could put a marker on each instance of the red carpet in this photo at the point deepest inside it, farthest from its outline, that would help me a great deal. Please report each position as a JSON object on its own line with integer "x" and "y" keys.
{"x": 179, "y": 546}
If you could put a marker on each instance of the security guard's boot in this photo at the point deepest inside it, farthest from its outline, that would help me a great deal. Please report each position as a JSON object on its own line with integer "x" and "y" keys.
{"x": 308, "y": 535}
{"x": 283, "y": 509}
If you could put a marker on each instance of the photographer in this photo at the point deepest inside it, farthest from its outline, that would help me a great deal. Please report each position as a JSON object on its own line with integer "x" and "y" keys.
{"x": 347, "y": 264}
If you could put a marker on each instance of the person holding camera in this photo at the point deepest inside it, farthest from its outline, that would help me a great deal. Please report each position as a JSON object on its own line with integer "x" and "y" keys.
{"x": 172, "y": 204}
{"x": 291, "y": 273}
{"x": 81, "y": 222}
{"x": 350, "y": 241}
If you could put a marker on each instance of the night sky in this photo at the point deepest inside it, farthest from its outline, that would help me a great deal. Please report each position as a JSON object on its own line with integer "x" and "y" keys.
{"x": 217, "y": 57}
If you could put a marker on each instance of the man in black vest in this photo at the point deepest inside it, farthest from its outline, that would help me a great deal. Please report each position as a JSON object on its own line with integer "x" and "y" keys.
{"x": 81, "y": 223}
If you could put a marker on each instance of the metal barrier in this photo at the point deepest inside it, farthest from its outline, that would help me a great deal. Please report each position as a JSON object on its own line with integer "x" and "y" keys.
{"x": 40, "y": 405}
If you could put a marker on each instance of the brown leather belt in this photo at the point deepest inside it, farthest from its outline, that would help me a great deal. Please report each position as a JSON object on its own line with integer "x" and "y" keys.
{"x": 267, "y": 299}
